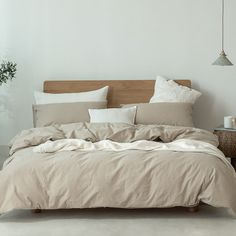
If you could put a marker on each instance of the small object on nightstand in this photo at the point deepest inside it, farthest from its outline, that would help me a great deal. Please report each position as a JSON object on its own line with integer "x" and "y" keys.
{"x": 227, "y": 140}
{"x": 229, "y": 122}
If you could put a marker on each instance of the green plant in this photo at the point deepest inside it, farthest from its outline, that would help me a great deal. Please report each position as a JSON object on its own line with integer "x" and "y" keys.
{"x": 7, "y": 71}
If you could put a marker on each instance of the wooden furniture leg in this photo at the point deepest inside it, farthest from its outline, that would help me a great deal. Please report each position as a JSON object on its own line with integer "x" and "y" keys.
{"x": 193, "y": 209}
{"x": 37, "y": 211}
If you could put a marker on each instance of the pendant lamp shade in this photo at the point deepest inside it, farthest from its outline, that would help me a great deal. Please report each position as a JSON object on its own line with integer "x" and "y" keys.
{"x": 222, "y": 60}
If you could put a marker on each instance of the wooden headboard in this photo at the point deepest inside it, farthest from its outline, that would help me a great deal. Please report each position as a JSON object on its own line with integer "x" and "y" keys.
{"x": 120, "y": 91}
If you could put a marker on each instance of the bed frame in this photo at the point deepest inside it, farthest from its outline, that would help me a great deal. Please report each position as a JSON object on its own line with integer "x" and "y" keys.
{"x": 120, "y": 91}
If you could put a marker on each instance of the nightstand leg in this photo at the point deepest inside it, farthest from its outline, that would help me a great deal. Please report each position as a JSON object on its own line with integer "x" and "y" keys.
{"x": 233, "y": 162}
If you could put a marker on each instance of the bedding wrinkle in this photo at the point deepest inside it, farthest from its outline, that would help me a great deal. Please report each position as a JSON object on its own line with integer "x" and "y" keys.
{"x": 148, "y": 177}
{"x": 180, "y": 145}
{"x": 115, "y": 165}
{"x": 191, "y": 173}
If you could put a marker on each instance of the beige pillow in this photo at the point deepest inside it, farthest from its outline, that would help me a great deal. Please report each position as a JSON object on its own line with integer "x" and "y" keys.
{"x": 64, "y": 113}
{"x": 177, "y": 114}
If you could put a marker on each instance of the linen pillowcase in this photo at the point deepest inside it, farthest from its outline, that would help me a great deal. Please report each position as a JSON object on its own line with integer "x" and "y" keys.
{"x": 99, "y": 95}
{"x": 113, "y": 115}
{"x": 175, "y": 114}
{"x": 170, "y": 91}
{"x": 63, "y": 113}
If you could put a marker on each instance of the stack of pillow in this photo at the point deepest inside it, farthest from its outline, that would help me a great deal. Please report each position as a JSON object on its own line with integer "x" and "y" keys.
{"x": 68, "y": 107}
{"x": 171, "y": 104}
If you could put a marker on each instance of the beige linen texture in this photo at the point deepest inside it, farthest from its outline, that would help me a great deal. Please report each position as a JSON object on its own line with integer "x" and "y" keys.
{"x": 123, "y": 179}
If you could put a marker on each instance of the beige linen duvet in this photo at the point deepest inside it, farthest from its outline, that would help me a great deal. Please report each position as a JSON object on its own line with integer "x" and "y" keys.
{"x": 141, "y": 175}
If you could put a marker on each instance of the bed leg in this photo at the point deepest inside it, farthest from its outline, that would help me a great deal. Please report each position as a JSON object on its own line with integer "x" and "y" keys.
{"x": 193, "y": 209}
{"x": 37, "y": 211}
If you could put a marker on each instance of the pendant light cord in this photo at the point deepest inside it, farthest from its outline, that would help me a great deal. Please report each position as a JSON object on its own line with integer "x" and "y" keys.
{"x": 222, "y": 60}
{"x": 223, "y": 25}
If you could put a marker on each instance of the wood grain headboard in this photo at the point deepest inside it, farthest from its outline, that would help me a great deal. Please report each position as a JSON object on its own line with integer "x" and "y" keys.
{"x": 120, "y": 91}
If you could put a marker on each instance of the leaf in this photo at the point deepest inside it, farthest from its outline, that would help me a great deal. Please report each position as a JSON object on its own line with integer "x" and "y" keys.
{"x": 7, "y": 71}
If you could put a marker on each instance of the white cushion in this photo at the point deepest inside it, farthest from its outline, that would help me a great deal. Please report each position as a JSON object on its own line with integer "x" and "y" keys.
{"x": 99, "y": 95}
{"x": 170, "y": 91}
{"x": 113, "y": 115}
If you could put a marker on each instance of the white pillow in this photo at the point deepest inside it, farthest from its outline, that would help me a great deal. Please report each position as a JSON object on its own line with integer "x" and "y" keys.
{"x": 99, "y": 95}
{"x": 169, "y": 91}
{"x": 113, "y": 115}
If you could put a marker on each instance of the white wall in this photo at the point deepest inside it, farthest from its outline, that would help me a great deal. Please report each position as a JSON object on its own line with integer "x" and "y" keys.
{"x": 116, "y": 39}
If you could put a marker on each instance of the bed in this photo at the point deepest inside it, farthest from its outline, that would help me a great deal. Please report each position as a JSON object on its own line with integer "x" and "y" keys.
{"x": 124, "y": 166}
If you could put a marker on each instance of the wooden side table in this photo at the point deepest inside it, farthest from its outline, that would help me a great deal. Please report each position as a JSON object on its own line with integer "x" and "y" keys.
{"x": 4, "y": 151}
{"x": 227, "y": 140}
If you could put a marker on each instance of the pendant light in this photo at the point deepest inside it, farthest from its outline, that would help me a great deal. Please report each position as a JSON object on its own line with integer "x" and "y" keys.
{"x": 222, "y": 60}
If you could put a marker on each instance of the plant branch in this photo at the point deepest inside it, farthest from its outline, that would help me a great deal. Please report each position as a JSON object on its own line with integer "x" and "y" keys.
{"x": 7, "y": 71}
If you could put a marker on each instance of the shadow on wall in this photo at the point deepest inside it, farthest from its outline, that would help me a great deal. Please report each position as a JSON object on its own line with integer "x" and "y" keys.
{"x": 6, "y": 102}
{"x": 16, "y": 98}
{"x": 206, "y": 111}
{"x": 6, "y": 112}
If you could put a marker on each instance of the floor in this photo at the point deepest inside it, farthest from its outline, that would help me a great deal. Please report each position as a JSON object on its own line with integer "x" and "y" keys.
{"x": 115, "y": 222}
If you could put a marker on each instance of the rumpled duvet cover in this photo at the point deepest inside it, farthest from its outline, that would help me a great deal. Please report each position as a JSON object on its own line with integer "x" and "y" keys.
{"x": 147, "y": 173}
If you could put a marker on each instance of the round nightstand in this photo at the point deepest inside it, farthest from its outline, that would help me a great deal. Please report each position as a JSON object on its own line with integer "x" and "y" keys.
{"x": 4, "y": 152}
{"x": 227, "y": 140}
